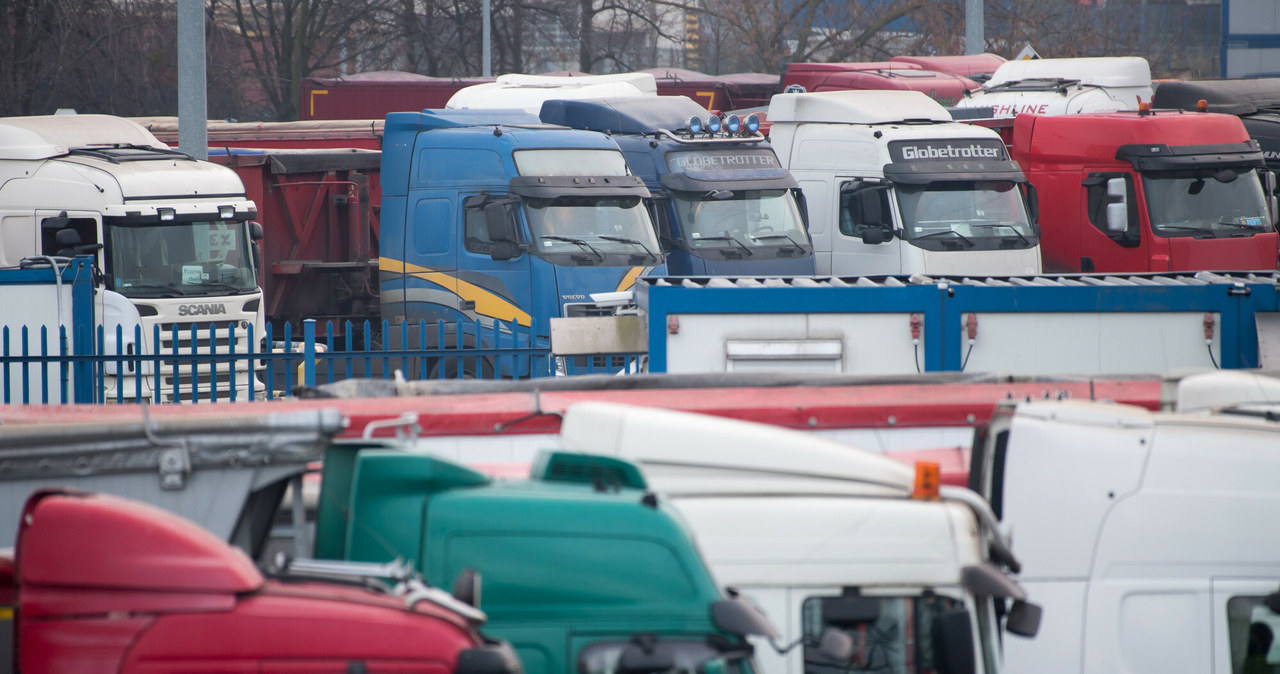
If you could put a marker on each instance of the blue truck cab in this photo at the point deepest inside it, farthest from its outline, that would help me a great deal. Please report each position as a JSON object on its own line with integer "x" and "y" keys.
{"x": 723, "y": 203}
{"x": 491, "y": 215}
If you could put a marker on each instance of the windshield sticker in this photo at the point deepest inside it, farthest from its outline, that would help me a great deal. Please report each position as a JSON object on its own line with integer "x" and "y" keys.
{"x": 973, "y": 149}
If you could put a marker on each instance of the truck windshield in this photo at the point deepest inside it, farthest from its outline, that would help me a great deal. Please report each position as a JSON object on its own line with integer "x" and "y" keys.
{"x": 1206, "y": 203}
{"x": 761, "y": 223}
{"x": 604, "y": 231}
{"x": 684, "y": 656}
{"x": 179, "y": 259}
{"x": 901, "y": 635}
{"x": 969, "y": 214}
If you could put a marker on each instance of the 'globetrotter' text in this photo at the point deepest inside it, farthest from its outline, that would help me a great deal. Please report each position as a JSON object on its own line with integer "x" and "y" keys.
{"x": 974, "y": 151}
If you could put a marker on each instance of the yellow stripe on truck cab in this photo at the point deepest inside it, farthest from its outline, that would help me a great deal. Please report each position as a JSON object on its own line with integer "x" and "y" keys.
{"x": 629, "y": 279}
{"x": 487, "y": 303}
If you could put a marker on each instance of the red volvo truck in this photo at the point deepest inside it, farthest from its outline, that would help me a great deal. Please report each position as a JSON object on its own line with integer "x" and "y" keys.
{"x": 1142, "y": 191}
{"x": 106, "y": 584}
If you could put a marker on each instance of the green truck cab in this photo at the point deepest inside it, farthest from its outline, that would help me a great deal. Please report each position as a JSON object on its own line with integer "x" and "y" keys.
{"x": 585, "y": 571}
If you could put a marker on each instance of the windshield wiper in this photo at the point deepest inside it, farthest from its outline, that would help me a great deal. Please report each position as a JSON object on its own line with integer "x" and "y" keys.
{"x": 1033, "y": 84}
{"x": 1000, "y": 224}
{"x": 235, "y": 289}
{"x": 934, "y": 235}
{"x": 734, "y": 239}
{"x": 623, "y": 239}
{"x": 1252, "y": 229}
{"x": 576, "y": 242}
{"x": 1199, "y": 232}
{"x": 780, "y": 236}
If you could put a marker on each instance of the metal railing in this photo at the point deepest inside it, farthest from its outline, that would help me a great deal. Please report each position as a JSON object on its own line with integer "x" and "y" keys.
{"x": 210, "y": 363}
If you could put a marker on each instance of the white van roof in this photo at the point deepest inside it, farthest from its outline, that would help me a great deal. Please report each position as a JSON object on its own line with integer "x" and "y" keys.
{"x": 45, "y": 136}
{"x": 683, "y": 453}
{"x": 1214, "y": 390}
{"x": 1110, "y": 71}
{"x": 528, "y": 92}
{"x": 856, "y": 107}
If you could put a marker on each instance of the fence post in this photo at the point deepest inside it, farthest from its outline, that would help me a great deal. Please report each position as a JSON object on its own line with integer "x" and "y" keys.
{"x": 309, "y": 352}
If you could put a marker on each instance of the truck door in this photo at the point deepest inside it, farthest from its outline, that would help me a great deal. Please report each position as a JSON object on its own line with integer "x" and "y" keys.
{"x": 1240, "y": 613}
{"x": 1111, "y": 234}
{"x": 863, "y": 243}
{"x": 493, "y": 280}
{"x": 430, "y": 263}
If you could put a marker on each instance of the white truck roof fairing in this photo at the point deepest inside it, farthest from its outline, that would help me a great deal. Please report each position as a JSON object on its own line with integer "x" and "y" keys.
{"x": 1215, "y": 390}
{"x": 528, "y": 92}
{"x": 1110, "y": 71}
{"x": 856, "y": 107}
{"x": 683, "y": 453}
{"x": 47, "y": 136}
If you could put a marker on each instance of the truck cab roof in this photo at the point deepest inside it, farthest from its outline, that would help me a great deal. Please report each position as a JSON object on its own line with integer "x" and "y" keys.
{"x": 856, "y": 107}
{"x": 528, "y": 92}
{"x": 45, "y": 136}
{"x": 633, "y": 115}
{"x": 1109, "y": 71}
{"x": 1231, "y": 96}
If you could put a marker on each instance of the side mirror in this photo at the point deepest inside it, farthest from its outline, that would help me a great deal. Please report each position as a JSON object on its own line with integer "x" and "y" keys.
{"x": 850, "y": 610}
{"x": 466, "y": 587}
{"x": 877, "y": 235}
{"x": 1273, "y": 602}
{"x": 1023, "y": 619}
{"x": 642, "y": 656}
{"x": 1117, "y": 206}
{"x": 504, "y": 250}
{"x": 835, "y": 645}
{"x": 497, "y": 223}
{"x": 738, "y": 616}
{"x": 255, "y": 231}
{"x": 1033, "y": 203}
{"x": 955, "y": 653}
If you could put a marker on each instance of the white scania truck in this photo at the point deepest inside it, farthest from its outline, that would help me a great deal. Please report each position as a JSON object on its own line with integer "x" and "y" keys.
{"x": 894, "y": 186}
{"x": 825, "y": 536}
{"x": 172, "y": 234}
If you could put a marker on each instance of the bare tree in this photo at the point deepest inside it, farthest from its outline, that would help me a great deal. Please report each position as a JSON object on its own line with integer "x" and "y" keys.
{"x": 285, "y": 41}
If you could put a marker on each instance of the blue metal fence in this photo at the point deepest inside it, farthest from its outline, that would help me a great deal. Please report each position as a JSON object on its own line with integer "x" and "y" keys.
{"x": 314, "y": 354}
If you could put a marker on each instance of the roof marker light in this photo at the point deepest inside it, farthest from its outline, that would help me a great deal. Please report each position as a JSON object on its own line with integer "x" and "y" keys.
{"x": 734, "y": 123}
{"x": 753, "y": 123}
{"x": 226, "y": 212}
{"x": 166, "y": 213}
{"x": 928, "y": 485}
{"x": 695, "y": 125}
{"x": 1202, "y": 105}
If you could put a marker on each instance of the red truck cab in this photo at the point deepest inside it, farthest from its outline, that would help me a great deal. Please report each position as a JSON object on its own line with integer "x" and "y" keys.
{"x": 945, "y": 88}
{"x": 106, "y": 584}
{"x": 1148, "y": 192}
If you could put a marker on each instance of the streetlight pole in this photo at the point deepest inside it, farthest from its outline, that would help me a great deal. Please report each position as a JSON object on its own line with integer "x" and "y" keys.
{"x": 193, "y": 109}
{"x": 484, "y": 41}
{"x": 974, "y": 40}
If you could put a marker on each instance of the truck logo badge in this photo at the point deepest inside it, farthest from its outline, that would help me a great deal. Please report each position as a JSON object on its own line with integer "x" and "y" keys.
{"x": 202, "y": 309}
{"x": 794, "y": 89}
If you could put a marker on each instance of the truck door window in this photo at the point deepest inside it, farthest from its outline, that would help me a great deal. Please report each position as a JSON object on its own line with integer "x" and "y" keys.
{"x": 864, "y": 206}
{"x": 1252, "y": 629}
{"x": 476, "y": 232}
{"x": 890, "y": 634}
{"x": 1098, "y": 200}
{"x": 86, "y": 234}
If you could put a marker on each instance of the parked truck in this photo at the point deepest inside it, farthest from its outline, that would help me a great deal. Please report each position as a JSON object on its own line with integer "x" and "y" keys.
{"x": 1148, "y": 191}
{"x": 830, "y": 536}
{"x": 490, "y": 215}
{"x": 943, "y": 87}
{"x": 1060, "y": 87}
{"x": 723, "y": 203}
{"x": 1144, "y": 534}
{"x": 1255, "y": 101}
{"x": 893, "y": 186}
{"x": 174, "y": 235}
{"x": 584, "y": 568}
{"x": 100, "y": 583}
{"x": 527, "y": 92}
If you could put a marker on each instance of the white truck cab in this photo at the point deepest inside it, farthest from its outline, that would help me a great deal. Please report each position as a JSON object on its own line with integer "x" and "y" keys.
{"x": 173, "y": 234}
{"x": 894, "y": 186}
{"x": 825, "y": 536}
{"x": 1150, "y": 537}
{"x": 1063, "y": 87}
{"x": 528, "y": 92}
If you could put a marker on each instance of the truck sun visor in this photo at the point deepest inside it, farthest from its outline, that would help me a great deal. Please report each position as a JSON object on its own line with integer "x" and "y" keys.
{"x": 919, "y": 173}
{"x": 1148, "y": 157}
{"x": 550, "y": 187}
